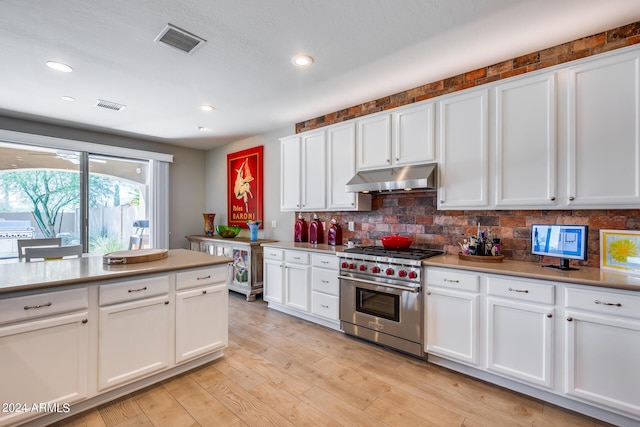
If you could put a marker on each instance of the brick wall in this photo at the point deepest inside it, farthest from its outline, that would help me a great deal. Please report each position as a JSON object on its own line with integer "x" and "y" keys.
{"x": 415, "y": 214}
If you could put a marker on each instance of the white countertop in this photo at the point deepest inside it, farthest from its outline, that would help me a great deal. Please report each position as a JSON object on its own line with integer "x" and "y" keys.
{"x": 324, "y": 248}
{"x": 25, "y": 276}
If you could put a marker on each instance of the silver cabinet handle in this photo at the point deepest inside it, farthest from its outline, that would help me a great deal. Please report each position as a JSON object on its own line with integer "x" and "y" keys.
{"x": 552, "y": 198}
{"x": 617, "y": 304}
{"x": 137, "y": 290}
{"x": 204, "y": 277}
{"x": 324, "y": 306}
{"x": 571, "y": 199}
{"x": 204, "y": 292}
{"x": 569, "y": 319}
{"x": 549, "y": 315}
{"x": 451, "y": 281}
{"x": 85, "y": 320}
{"x": 526, "y": 291}
{"x": 324, "y": 281}
{"x": 30, "y": 307}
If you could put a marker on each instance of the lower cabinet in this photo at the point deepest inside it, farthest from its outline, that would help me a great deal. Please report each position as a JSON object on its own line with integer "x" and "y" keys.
{"x": 325, "y": 287}
{"x": 296, "y": 280}
{"x": 602, "y": 339}
{"x": 273, "y": 276}
{"x": 44, "y": 353}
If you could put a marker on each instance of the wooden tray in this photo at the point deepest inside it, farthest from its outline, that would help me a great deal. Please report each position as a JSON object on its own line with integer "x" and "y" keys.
{"x": 477, "y": 258}
{"x": 134, "y": 256}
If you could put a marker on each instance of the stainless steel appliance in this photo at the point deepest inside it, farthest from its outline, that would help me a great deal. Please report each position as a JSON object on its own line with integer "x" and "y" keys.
{"x": 10, "y": 232}
{"x": 381, "y": 296}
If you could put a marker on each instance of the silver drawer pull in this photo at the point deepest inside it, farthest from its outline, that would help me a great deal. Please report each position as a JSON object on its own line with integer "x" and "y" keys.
{"x": 29, "y": 307}
{"x": 325, "y": 262}
{"x": 526, "y": 291}
{"x": 452, "y": 281}
{"x": 272, "y": 254}
{"x": 324, "y": 281}
{"x": 324, "y": 306}
{"x": 296, "y": 257}
{"x": 617, "y": 304}
{"x": 137, "y": 290}
{"x": 203, "y": 278}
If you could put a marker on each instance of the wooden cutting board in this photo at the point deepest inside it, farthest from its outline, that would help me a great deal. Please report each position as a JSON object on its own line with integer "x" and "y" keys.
{"x": 135, "y": 256}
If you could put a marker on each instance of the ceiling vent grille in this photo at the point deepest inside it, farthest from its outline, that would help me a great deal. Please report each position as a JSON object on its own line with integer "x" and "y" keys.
{"x": 110, "y": 105}
{"x": 180, "y": 39}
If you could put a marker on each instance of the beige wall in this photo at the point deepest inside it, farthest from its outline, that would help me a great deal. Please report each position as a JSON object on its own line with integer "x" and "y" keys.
{"x": 186, "y": 176}
{"x": 216, "y": 184}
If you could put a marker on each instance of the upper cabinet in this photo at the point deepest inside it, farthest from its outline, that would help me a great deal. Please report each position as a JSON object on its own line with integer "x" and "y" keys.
{"x": 525, "y": 142}
{"x": 603, "y": 134}
{"x": 463, "y": 135}
{"x": 403, "y": 136}
{"x": 290, "y": 168}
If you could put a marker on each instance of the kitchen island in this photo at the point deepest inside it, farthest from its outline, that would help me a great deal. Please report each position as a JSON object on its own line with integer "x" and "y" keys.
{"x": 76, "y": 333}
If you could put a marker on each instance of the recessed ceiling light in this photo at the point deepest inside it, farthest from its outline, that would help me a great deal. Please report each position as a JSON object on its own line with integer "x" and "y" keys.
{"x": 68, "y": 98}
{"x": 207, "y": 107}
{"x": 59, "y": 66}
{"x": 302, "y": 60}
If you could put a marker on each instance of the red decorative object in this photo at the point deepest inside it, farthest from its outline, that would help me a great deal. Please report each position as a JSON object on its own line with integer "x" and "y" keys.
{"x": 396, "y": 242}
{"x": 245, "y": 187}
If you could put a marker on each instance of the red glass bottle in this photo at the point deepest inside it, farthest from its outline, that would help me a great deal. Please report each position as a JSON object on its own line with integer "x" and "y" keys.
{"x": 334, "y": 235}
{"x": 301, "y": 230}
{"x": 316, "y": 232}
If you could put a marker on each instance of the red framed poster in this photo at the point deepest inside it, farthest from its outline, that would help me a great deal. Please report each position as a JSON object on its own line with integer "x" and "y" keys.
{"x": 244, "y": 186}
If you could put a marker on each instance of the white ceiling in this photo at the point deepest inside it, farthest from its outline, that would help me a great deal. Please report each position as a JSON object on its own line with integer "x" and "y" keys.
{"x": 363, "y": 50}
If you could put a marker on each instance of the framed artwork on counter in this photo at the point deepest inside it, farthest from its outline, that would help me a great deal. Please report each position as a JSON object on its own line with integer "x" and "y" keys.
{"x": 620, "y": 251}
{"x": 245, "y": 186}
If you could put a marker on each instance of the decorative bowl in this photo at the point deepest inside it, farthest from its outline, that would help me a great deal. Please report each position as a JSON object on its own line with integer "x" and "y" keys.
{"x": 227, "y": 231}
{"x": 396, "y": 242}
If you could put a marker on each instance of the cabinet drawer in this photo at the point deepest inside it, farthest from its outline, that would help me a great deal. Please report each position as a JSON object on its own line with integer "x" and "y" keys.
{"x": 453, "y": 279}
{"x": 204, "y": 276}
{"x": 133, "y": 289}
{"x": 324, "y": 305}
{"x": 44, "y": 304}
{"x": 274, "y": 254}
{"x": 297, "y": 257}
{"x": 521, "y": 290}
{"x": 325, "y": 261}
{"x": 326, "y": 281}
{"x": 605, "y": 302}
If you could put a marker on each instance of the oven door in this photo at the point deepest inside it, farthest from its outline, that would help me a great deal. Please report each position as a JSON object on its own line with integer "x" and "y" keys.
{"x": 390, "y": 308}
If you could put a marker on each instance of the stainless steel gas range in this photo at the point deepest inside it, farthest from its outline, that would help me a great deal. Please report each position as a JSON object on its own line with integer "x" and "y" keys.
{"x": 381, "y": 296}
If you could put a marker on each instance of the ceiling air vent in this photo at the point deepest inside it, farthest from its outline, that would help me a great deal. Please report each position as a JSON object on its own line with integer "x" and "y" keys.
{"x": 180, "y": 39}
{"x": 110, "y": 105}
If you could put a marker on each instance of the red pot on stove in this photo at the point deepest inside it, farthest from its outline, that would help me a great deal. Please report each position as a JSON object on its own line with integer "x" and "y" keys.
{"x": 396, "y": 242}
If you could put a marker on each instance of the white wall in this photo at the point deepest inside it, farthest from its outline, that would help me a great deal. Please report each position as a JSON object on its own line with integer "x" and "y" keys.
{"x": 216, "y": 184}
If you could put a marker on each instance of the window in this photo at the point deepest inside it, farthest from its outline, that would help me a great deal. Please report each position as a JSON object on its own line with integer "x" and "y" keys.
{"x": 124, "y": 193}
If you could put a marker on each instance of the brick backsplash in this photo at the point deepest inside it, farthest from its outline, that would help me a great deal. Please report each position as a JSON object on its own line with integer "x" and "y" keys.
{"x": 416, "y": 215}
{"x": 592, "y": 45}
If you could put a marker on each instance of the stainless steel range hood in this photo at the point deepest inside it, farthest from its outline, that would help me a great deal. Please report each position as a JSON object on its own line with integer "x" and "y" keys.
{"x": 418, "y": 177}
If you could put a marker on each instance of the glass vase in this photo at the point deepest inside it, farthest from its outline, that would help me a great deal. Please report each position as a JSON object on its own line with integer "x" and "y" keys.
{"x": 208, "y": 223}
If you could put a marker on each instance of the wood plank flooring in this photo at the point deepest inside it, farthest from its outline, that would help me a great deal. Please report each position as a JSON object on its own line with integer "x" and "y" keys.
{"x": 282, "y": 371}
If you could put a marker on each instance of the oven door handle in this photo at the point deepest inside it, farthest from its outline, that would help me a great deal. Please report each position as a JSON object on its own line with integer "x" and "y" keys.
{"x": 388, "y": 285}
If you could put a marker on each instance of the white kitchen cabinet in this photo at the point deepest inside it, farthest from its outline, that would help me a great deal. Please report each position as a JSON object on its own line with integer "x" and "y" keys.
{"x": 520, "y": 330}
{"x": 313, "y": 170}
{"x": 135, "y": 330}
{"x": 526, "y": 143}
{"x": 296, "y": 280}
{"x": 44, "y": 351}
{"x": 201, "y": 300}
{"x": 341, "y": 167}
{"x": 398, "y": 137}
{"x": 273, "y": 275}
{"x": 290, "y": 173}
{"x": 603, "y": 132}
{"x": 452, "y": 324}
{"x": 325, "y": 286}
{"x": 602, "y": 340}
{"x": 463, "y": 147}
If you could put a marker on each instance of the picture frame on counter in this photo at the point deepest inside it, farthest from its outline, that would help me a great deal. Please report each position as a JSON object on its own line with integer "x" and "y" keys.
{"x": 245, "y": 186}
{"x": 620, "y": 251}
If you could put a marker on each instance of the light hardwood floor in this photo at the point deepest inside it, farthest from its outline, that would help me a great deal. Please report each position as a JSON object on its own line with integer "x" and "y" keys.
{"x": 282, "y": 371}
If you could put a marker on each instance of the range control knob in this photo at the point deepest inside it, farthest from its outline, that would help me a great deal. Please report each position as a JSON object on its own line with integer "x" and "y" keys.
{"x": 362, "y": 267}
{"x": 375, "y": 269}
{"x": 344, "y": 265}
{"x": 352, "y": 266}
{"x": 389, "y": 271}
{"x": 413, "y": 275}
{"x": 402, "y": 273}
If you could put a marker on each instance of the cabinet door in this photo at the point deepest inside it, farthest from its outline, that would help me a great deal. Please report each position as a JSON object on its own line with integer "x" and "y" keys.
{"x": 520, "y": 340}
{"x": 525, "y": 168}
{"x": 464, "y": 166}
{"x": 134, "y": 340}
{"x": 602, "y": 360}
{"x": 452, "y": 325}
{"x": 201, "y": 321}
{"x": 273, "y": 286}
{"x": 290, "y": 173}
{"x": 414, "y": 135}
{"x": 313, "y": 171}
{"x": 341, "y": 167}
{"x": 297, "y": 286}
{"x": 43, "y": 361}
{"x": 374, "y": 142}
{"x": 604, "y": 132}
